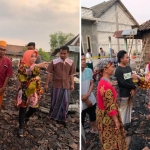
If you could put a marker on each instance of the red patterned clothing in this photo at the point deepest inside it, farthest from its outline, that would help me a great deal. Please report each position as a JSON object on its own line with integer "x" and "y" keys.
{"x": 105, "y": 86}
{"x": 110, "y": 138}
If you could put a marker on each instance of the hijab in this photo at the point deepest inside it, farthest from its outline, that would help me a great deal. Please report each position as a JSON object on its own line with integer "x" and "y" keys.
{"x": 27, "y": 57}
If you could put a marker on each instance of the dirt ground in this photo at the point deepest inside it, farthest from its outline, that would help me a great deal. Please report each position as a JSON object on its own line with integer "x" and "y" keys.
{"x": 138, "y": 136}
{"x": 41, "y": 132}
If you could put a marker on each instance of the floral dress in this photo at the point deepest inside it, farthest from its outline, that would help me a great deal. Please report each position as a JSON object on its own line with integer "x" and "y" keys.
{"x": 110, "y": 138}
{"x": 30, "y": 88}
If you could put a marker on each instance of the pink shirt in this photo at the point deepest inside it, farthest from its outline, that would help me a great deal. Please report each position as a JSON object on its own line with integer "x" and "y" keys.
{"x": 5, "y": 69}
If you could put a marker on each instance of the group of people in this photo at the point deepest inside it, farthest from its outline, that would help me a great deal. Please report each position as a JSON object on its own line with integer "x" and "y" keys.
{"x": 61, "y": 70}
{"x": 109, "y": 112}
{"x": 101, "y": 55}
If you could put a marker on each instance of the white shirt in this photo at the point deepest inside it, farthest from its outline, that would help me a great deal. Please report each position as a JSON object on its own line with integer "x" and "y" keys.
{"x": 88, "y": 58}
{"x": 146, "y": 69}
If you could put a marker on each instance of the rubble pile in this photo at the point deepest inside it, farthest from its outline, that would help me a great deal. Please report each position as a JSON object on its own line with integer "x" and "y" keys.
{"x": 41, "y": 133}
{"x": 140, "y": 125}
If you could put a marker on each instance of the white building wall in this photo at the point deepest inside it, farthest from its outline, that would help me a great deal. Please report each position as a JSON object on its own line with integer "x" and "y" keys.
{"x": 122, "y": 17}
{"x": 109, "y": 15}
{"x": 108, "y": 25}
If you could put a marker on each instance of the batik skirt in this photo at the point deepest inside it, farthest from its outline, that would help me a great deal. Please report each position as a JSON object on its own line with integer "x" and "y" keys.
{"x": 110, "y": 138}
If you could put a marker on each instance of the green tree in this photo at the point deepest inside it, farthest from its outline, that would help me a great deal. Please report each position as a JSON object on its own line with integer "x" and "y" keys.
{"x": 24, "y": 48}
{"x": 59, "y": 39}
{"x": 44, "y": 55}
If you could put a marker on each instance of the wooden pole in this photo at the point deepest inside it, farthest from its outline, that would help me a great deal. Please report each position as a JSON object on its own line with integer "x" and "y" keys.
{"x": 125, "y": 44}
{"x": 110, "y": 47}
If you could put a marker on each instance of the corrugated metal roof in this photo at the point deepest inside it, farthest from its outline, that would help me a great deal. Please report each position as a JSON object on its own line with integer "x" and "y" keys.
{"x": 118, "y": 34}
{"x": 75, "y": 41}
{"x": 130, "y": 32}
{"x": 126, "y": 34}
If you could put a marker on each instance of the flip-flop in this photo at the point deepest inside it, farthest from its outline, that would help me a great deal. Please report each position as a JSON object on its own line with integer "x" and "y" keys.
{"x": 94, "y": 132}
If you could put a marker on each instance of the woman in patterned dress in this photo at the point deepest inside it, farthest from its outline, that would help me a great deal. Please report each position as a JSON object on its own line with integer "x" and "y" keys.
{"x": 30, "y": 87}
{"x": 111, "y": 131}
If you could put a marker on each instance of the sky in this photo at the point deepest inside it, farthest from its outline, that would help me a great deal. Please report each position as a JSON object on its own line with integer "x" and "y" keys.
{"x": 138, "y": 8}
{"x": 24, "y": 21}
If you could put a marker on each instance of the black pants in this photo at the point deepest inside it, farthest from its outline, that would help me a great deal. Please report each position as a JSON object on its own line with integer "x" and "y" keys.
{"x": 23, "y": 115}
{"x": 91, "y": 111}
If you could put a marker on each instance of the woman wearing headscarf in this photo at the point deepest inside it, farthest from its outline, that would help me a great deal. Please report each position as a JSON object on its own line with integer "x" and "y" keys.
{"x": 30, "y": 88}
{"x": 111, "y": 131}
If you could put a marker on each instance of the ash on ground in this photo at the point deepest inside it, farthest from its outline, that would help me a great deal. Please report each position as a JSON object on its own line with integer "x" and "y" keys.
{"x": 138, "y": 136}
{"x": 41, "y": 132}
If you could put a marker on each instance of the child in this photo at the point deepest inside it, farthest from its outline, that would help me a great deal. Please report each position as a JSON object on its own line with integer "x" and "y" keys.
{"x": 30, "y": 89}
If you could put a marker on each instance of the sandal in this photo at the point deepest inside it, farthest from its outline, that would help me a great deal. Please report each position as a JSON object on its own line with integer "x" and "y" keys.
{"x": 20, "y": 133}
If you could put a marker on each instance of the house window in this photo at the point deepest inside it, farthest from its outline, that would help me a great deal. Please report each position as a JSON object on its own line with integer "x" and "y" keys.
{"x": 89, "y": 43}
{"x": 82, "y": 51}
{"x": 82, "y": 46}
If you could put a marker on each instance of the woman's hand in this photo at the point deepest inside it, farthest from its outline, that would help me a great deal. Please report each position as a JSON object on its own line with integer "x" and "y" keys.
{"x": 2, "y": 90}
{"x": 88, "y": 103}
{"x": 134, "y": 76}
{"x": 85, "y": 97}
{"x": 117, "y": 123}
{"x": 132, "y": 92}
{"x": 46, "y": 87}
{"x": 42, "y": 65}
{"x": 72, "y": 87}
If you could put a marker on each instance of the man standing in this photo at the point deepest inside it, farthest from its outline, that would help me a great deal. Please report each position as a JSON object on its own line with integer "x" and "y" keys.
{"x": 31, "y": 46}
{"x": 88, "y": 98}
{"x": 62, "y": 70}
{"x": 126, "y": 87}
{"x": 101, "y": 53}
{"x": 89, "y": 62}
{"x": 114, "y": 59}
{"x": 5, "y": 70}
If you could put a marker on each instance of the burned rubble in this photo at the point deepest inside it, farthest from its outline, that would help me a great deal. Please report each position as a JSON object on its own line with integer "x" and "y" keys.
{"x": 41, "y": 133}
{"x": 138, "y": 135}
